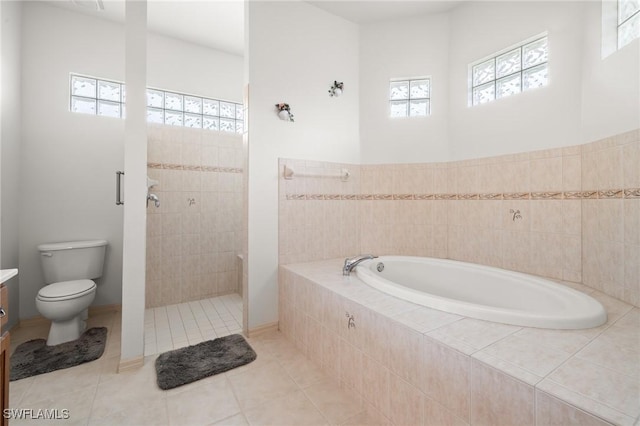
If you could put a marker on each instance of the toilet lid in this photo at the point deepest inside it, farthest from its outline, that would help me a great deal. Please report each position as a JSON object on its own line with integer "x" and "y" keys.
{"x": 66, "y": 289}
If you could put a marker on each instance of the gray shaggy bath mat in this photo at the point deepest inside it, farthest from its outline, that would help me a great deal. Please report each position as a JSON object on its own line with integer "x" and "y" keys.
{"x": 35, "y": 357}
{"x": 186, "y": 365}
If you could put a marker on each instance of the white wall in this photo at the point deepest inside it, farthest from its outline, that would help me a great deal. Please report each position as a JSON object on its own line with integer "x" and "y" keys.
{"x": 610, "y": 86}
{"x": 10, "y": 148}
{"x": 587, "y": 98}
{"x": 135, "y": 184}
{"x": 410, "y": 47}
{"x": 68, "y": 160}
{"x": 543, "y": 118}
{"x": 295, "y": 53}
{"x": 188, "y": 68}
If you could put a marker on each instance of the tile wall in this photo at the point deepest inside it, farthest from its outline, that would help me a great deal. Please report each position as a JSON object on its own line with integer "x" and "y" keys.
{"x": 318, "y": 216}
{"x": 611, "y": 227}
{"x": 193, "y": 238}
{"x": 571, "y": 213}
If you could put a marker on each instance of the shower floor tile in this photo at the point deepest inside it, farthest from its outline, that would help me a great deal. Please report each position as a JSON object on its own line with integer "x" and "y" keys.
{"x": 183, "y": 324}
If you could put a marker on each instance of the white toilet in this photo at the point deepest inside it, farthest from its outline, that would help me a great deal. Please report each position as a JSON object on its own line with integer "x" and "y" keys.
{"x": 69, "y": 269}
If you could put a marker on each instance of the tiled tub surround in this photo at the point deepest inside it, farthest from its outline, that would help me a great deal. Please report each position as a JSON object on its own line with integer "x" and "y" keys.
{"x": 569, "y": 214}
{"x": 413, "y": 365}
{"x": 193, "y": 238}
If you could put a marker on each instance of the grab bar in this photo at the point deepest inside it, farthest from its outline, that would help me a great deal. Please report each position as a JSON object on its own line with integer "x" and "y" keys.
{"x": 119, "y": 200}
{"x": 288, "y": 174}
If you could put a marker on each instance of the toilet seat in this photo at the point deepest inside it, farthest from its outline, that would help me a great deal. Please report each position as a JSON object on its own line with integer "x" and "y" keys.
{"x": 66, "y": 290}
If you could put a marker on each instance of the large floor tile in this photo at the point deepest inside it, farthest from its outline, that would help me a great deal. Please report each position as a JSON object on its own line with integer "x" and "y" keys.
{"x": 261, "y": 384}
{"x": 334, "y": 403}
{"x": 203, "y": 405}
{"x": 292, "y": 409}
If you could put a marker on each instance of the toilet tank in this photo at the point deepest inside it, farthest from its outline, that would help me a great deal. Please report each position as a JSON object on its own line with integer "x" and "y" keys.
{"x": 74, "y": 260}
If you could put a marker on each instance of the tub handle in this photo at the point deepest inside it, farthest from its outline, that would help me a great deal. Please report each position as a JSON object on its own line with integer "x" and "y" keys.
{"x": 46, "y": 254}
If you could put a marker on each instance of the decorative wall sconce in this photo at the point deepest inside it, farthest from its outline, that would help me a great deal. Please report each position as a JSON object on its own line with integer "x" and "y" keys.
{"x": 336, "y": 89}
{"x": 284, "y": 112}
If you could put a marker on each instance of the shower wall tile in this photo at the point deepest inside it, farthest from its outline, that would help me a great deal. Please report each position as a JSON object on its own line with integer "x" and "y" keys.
{"x": 442, "y": 182}
{"x": 197, "y": 227}
{"x": 631, "y": 159}
{"x": 546, "y": 174}
{"x": 572, "y": 172}
{"x": 515, "y": 176}
{"x": 632, "y": 221}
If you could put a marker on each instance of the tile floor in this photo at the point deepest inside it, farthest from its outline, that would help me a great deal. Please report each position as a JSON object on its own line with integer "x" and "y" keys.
{"x": 176, "y": 326}
{"x": 281, "y": 387}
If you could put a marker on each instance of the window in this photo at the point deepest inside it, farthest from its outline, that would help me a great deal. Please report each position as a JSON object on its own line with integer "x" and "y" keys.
{"x": 628, "y": 21}
{"x": 101, "y": 97}
{"x": 509, "y": 72}
{"x": 410, "y": 98}
{"x": 107, "y": 98}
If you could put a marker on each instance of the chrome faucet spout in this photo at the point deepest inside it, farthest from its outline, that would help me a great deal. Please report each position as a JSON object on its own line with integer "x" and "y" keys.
{"x": 352, "y": 262}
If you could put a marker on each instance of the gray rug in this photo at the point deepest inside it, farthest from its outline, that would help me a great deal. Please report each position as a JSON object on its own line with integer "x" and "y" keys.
{"x": 35, "y": 357}
{"x": 186, "y": 365}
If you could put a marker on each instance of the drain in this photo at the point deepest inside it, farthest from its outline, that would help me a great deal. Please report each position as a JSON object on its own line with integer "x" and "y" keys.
{"x": 380, "y": 267}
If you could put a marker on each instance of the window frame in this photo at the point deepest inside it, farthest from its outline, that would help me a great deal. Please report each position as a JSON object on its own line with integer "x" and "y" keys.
{"x": 521, "y": 71}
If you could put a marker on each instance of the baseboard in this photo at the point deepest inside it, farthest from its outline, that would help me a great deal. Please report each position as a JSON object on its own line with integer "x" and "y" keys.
{"x": 104, "y": 309}
{"x": 130, "y": 364}
{"x": 33, "y": 322}
{"x": 262, "y": 329}
{"x": 39, "y": 320}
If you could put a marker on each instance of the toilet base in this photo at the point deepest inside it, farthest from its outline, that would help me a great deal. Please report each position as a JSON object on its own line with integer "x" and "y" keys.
{"x": 65, "y": 331}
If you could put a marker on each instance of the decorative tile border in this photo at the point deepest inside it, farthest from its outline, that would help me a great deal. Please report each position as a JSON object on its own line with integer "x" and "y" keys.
{"x": 546, "y": 195}
{"x": 516, "y": 196}
{"x": 169, "y": 166}
{"x": 612, "y": 193}
{"x": 632, "y": 193}
{"x": 468, "y": 196}
{"x": 550, "y": 195}
{"x": 491, "y": 196}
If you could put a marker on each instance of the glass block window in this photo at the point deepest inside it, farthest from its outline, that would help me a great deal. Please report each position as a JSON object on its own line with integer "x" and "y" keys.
{"x": 410, "y": 98}
{"x": 628, "y": 21}
{"x": 90, "y": 95}
{"x": 509, "y": 72}
{"x": 98, "y": 97}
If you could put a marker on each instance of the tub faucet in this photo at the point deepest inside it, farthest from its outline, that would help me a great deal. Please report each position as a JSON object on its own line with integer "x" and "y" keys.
{"x": 352, "y": 262}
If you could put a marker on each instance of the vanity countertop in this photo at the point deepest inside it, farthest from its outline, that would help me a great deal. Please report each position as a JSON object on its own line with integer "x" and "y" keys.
{"x": 7, "y": 274}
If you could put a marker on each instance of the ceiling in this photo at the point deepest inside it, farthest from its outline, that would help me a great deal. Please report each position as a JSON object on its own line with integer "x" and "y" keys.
{"x": 219, "y": 24}
{"x": 363, "y": 12}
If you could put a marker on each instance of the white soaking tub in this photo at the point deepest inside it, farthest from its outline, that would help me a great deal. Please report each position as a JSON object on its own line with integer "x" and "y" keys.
{"x": 482, "y": 292}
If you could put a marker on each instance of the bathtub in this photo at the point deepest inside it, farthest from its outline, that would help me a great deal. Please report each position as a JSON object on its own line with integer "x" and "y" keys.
{"x": 482, "y": 292}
